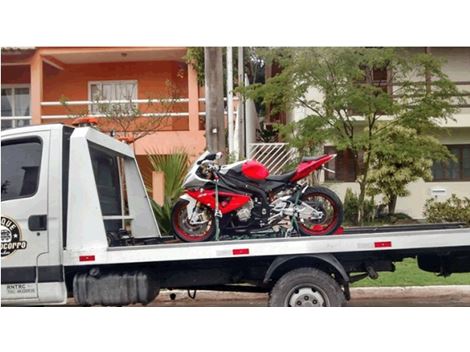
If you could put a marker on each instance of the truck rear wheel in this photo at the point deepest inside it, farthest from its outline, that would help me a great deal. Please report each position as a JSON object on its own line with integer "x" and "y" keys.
{"x": 306, "y": 287}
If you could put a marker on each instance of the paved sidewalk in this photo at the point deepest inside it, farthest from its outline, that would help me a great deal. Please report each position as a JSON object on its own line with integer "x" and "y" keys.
{"x": 411, "y": 291}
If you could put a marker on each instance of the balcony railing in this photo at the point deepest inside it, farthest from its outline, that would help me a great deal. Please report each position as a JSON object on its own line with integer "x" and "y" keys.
{"x": 463, "y": 88}
{"x": 15, "y": 121}
{"x": 89, "y": 104}
{"x": 275, "y": 156}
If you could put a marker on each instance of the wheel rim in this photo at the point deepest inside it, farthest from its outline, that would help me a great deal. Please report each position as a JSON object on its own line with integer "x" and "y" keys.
{"x": 328, "y": 206}
{"x": 190, "y": 232}
{"x": 306, "y": 296}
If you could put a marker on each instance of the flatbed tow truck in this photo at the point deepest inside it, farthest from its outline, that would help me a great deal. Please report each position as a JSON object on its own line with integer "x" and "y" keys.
{"x": 76, "y": 222}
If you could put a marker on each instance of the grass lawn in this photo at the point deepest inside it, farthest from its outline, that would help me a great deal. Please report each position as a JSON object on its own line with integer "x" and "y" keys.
{"x": 407, "y": 273}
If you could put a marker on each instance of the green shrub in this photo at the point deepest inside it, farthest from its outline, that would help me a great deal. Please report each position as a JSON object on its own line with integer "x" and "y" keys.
{"x": 163, "y": 215}
{"x": 453, "y": 209}
{"x": 351, "y": 205}
{"x": 396, "y": 219}
{"x": 174, "y": 167}
{"x": 351, "y": 208}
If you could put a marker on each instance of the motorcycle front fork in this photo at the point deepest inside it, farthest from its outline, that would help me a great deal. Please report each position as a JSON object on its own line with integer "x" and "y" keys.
{"x": 217, "y": 212}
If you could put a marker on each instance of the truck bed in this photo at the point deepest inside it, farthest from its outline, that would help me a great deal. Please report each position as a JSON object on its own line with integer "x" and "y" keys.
{"x": 367, "y": 240}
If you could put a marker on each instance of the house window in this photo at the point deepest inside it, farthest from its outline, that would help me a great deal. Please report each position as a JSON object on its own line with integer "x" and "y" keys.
{"x": 380, "y": 79}
{"x": 16, "y": 103}
{"x": 377, "y": 77}
{"x": 111, "y": 90}
{"x": 458, "y": 170}
{"x": 342, "y": 165}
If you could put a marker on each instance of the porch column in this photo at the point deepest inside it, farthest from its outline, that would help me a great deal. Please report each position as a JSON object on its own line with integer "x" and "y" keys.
{"x": 158, "y": 187}
{"x": 36, "y": 88}
{"x": 193, "y": 95}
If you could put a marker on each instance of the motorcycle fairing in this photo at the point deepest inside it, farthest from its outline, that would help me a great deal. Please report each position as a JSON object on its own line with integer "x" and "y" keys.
{"x": 308, "y": 165}
{"x": 228, "y": 201}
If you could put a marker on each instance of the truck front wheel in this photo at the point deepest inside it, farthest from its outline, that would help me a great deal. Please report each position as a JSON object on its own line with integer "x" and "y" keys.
{"x": 306, "y": 287}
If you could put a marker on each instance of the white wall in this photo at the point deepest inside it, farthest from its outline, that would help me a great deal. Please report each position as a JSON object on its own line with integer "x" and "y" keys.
{"x": 455, "y": 135}
{"x": 420, "y": 191}
{"x": 456, "y": 62}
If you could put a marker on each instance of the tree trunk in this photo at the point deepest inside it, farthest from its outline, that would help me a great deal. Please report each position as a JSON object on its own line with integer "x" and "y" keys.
{"x": 213, "y": 70}
{"x": 392, "y": 204}
{"x": 363, "y": 185}
{"x": 242, "y": 153}
{"x": 360, "y": 206}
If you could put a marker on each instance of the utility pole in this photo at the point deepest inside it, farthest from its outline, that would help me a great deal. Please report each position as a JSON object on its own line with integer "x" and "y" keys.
{"x": 230, "y": 100}
{"x": 215, "y": 129}
{"x": 251, "y": 121}
{"x": 241, "y": 106}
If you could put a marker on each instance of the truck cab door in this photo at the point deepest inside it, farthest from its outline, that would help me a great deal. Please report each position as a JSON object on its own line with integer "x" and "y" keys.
{"x": 29, "y": 273}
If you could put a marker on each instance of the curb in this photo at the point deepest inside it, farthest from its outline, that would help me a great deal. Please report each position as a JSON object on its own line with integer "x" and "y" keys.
{"x": 455, "y": 291}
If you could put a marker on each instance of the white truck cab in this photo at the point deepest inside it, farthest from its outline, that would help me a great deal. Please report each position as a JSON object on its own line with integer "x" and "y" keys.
{"x": 48, "y": 173}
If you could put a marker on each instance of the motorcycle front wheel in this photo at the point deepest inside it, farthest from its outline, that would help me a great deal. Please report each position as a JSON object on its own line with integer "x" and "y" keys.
{"x": 188, "y": 232}
{"x": 327, "y": 202}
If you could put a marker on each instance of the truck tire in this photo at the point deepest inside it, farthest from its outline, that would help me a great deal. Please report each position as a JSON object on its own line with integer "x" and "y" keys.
{"x": 306, "y": 287}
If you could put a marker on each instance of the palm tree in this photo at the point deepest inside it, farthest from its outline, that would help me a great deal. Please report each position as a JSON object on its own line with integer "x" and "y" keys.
{"x": 174, "y": 167}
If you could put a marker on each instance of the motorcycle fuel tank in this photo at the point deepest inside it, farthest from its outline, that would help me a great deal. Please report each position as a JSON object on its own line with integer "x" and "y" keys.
{"x": 254, "y": 170}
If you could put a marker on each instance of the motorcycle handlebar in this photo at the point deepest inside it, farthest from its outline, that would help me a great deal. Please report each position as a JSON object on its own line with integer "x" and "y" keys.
{"x": 207, "y": 162}
{"x": 211, "y": 157}
{"x": 210, "y": 166}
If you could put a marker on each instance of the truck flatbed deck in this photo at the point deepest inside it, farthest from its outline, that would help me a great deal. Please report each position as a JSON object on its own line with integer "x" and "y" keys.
{"x": 417, "y": 240}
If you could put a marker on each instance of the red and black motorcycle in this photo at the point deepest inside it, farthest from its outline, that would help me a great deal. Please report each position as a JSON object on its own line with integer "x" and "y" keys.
{"x": 242, "y": 198}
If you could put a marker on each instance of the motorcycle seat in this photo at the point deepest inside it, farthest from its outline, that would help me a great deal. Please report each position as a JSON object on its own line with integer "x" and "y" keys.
{"x": 312, "y": 158}
{"x": 281, "y": 178}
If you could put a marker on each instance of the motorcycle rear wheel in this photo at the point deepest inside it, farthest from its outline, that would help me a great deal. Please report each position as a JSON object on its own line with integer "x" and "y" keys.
{"x": 324, "y": 199}
{"x": 187, "y": 232}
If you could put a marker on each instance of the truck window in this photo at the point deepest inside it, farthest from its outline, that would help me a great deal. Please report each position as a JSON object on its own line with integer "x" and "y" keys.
{"x": 21, "y": 161}
{"x": 106, "y": 171}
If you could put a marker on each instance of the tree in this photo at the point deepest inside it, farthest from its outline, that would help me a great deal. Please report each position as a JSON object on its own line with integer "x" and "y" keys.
{"x": 125, "y": 118}
{"x": 402, "y": 157}
{"x": 353, "y": 96}
{"x": 253, "y": 64}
